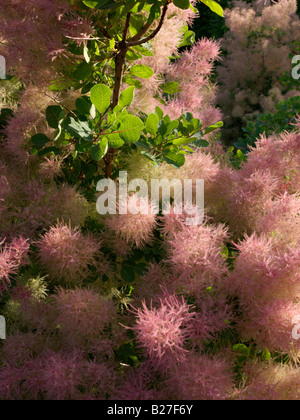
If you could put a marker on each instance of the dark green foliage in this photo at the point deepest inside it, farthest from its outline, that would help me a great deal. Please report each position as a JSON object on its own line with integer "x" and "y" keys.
{"x": 5, "y": 114}
{"x": 211, "y": 25}
{"x": 268, "y": 123}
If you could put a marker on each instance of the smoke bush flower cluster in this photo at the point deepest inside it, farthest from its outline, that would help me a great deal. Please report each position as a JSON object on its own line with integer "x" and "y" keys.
{"x": 202, "y": 378}
{"x": 12, "y": 256}
{"x": 66, "y": 254}
{"x": 191, "y": 70}
{"x": 195, "y": 256}
{"x": 163, "y": 331}
{"x": 135, "y": 229}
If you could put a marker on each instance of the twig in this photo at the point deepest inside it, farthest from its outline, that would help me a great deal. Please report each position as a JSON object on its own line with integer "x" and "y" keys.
{"x": 155, "y": 32}
{"x": 64, "y": 106}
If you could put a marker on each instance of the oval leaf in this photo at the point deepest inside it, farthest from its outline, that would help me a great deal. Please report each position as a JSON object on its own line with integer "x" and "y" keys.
{"x": 174, "y": 159}
{"x": 130, "y": 128}
{"x": 142, "y": 71}
{"x": 83, "y": 105}
{"x": 152, "y": 124}
{"x": 100, "y": 4}
{"x": 171, "y": 88}
{"x": 98, "y": 151}
{"x": 214, "y": 7}
{"x": 182, "y": 4}
{"x": 182, "y": 140}
{"x": 214, "y": 127}
{"x": 39, "y": 140}
{"x": 54, "y": 115}
{"x": 79, "y": 129}
{"x": 114, "y": 141}
{"x": 100, "y": 97}
{"x": 126, "y": 98}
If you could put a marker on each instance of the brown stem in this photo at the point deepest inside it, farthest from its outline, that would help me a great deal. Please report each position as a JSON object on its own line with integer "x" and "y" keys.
{"x": 119, "y": 68}
{"x": 120, "y": 61}
{"x": 133, "y": 43}
{"x": 123, "y": 47}
{"x": 141, "y": 33}
{"x": 108, "y": 159}
{"x": 105, "y": 33}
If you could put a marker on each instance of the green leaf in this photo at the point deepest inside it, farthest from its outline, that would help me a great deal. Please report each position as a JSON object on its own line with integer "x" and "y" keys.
{"x": 159, "y": 112}
{"x": 112, "y": 44}
{"x": 174, "y": 159}
{"x": 143, "y": 51}
{"x": 126, "y": 97}
{"x": 54, "y": 115}
{"x": 114, "y": 140}
{"x": 83, "y": 146}
{"x": 91, "y": 4}
{"x": 143, "y": 144}
{"x": 79, "y": 129}
{"x": 182, "y": 140}
{"x": 189, "y": 38}
{"x": 142, "y": 71}
{"x": 214, "y": 127}
{"x": 39, "y": 140}
{"x": 171, "y": 126}
{"x": 51, "y": 149}
{"x": 152, "y": 124}
{"x": 266, "y": 355}
{"x": 83, "y": 105}
{"x": 171, "y": 88}
{"x": 214, "y": 7}
{"x": 241, "y": 349}
{"x": 130, "y": 128}
{"x": 131, "y": 81}
{"x": 133, "y": 55}
{"x": 100, "y": 4}
{"x": 127, "y": 273}
{"x": 182, "y": 4}
{"x": 83, "y": 71}
{"x": 100, "y": 97}
{"x": 154, "y": 12}
{"x": 93, "y": 112}
{"x": 128, "y": 6}
{"x": 136, "y": 23}
{"x": 87, "y": 88}
{"x": 201, "y": 143}
{"x": 98, "y": 151}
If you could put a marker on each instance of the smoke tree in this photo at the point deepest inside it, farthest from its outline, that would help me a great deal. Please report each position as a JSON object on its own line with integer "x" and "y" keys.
{"x": 137, "y": 306}
{"x": 93, "y": 51}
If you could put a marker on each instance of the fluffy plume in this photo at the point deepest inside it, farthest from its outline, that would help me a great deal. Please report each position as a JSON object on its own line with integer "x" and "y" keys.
{"x": 137, "y": 225}
{"x": 162, "y": 332}
{"x": 195, "y": 256}
{"x": 201, "y": 378}
{"x": 83, "y": 314}
{"x": 67, "y": 254}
